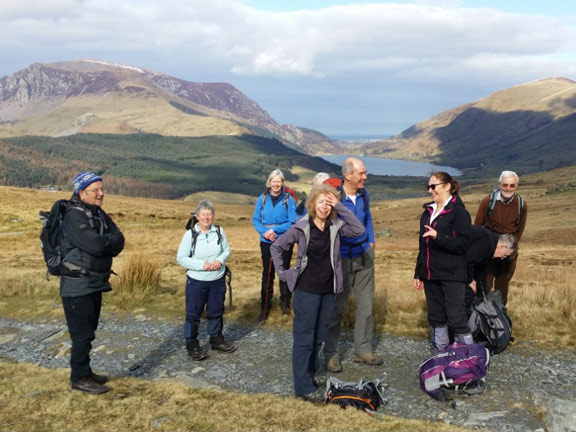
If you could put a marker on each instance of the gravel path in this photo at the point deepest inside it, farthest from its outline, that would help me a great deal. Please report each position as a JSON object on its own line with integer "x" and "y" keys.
{"x": 520, "y": 380}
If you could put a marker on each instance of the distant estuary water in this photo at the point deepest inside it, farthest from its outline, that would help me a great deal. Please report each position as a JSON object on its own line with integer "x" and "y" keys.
{"x": 395, "y": 167}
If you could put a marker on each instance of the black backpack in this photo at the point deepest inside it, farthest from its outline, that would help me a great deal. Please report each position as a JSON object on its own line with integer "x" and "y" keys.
{"x": 489, "y": 321}
{"x": 366, "y": 396}
{"x": 50, "y": 236}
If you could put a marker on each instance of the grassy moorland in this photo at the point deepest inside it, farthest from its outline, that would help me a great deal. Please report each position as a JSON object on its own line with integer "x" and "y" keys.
{"x": 542, "y": 302}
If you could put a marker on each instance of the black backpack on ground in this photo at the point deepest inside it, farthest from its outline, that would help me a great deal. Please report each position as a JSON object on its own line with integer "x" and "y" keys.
{"x": 489, "y": 321}
{"x": 366, "y": 396}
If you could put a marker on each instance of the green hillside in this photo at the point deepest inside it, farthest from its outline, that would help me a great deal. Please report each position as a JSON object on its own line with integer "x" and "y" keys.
{"x": 152, "y": 165}
{"x": 149, "y": 165}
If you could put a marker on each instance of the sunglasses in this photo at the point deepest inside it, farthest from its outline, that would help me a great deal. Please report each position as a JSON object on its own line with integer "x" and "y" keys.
{"x": 433, "y": 185}
{"x": 511, "y": 185}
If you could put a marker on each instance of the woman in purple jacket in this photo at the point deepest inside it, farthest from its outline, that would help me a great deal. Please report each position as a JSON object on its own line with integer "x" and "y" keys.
{"x": 315, "y": 280}
{"x": 441, "y": 265}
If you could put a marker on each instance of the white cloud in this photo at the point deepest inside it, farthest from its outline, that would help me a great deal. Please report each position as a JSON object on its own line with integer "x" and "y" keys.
{"x": 439, "y": 42}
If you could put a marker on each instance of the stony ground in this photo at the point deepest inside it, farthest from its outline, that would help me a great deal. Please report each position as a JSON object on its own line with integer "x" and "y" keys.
{"x": 520, "y": 380}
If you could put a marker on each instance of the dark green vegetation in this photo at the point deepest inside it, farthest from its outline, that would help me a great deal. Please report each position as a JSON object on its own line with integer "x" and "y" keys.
{"x": 150, "y": 165}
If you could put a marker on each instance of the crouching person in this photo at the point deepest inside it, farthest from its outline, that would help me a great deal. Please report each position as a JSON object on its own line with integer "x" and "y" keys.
{"x": 89, "y": 240}
{"x": 315, "y": 280}
{"x": 203, "y": 251}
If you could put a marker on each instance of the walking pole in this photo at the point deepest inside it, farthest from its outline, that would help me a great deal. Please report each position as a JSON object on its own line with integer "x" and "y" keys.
{"x": 228, "y": 274}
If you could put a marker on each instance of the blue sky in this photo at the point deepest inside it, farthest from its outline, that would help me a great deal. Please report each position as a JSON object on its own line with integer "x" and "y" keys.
{"x": 341, "y": 67}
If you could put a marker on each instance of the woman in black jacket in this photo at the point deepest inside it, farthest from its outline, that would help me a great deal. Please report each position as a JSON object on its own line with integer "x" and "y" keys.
{"x": 441, "y": 265}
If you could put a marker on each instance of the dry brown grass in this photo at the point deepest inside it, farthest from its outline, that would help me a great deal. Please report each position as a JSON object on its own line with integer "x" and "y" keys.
{"x": 38, "y": 399}
{"x": 138, "y": 282}
{"x": 542, "y": 293}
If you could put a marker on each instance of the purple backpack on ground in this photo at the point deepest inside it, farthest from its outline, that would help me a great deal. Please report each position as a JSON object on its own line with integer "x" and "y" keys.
{"x": 457, "y": 368}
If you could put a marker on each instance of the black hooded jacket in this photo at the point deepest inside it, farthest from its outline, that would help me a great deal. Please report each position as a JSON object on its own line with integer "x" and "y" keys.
{"x": 89, "y": 240}
{"x": 444, "y": 258}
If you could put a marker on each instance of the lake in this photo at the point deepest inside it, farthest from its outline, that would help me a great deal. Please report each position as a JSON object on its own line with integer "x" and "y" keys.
{"x": 395, "y": 167}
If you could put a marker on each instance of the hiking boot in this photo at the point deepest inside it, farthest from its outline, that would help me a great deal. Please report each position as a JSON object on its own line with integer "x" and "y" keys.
{"x": 100, "y": 379}
{"x": 368, "y": 358}
{"x": 195, "y": 352}
{"x": 285, "y": 308}
{"x": 317, "y": 396}
{"x": 333, "y": 365}
{"x": 88, "y": 385}
{"x": 219, "y": 344}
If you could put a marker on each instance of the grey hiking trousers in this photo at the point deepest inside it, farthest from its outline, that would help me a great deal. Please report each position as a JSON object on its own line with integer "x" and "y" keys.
{"x": 358, "y": 275}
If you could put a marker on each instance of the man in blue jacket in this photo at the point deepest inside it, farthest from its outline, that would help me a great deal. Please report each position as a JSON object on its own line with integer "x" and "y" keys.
{"x": 358, "y": 270}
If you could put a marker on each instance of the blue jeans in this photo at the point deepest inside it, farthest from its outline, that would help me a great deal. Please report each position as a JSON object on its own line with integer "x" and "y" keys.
{"x": 312, "y": 313}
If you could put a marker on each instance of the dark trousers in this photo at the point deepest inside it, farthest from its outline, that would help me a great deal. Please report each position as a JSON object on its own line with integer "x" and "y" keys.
{"x": 445, "y": 301}
{"x": 499, "y": 273}
{"x": 268, "y": 276}
{"x": 82, "y": 316}
{"x": 200, "y": 294}
{"x": 312, "y": 313}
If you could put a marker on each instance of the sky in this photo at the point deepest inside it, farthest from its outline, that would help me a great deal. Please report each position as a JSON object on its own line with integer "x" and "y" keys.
{"x": 344, "y": 68}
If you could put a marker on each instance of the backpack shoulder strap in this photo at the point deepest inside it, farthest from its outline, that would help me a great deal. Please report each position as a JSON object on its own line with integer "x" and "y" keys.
{"x": 520, "y": 209}
{"x": 218, "y": 231}
{"x": 264, "y": 196}
{"x": 286, "y": 199}
{"x": 492, "y": 202}
{"x": 194, "y": 239}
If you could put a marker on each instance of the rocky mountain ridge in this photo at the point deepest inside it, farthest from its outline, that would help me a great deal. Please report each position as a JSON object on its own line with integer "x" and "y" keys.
{"x": 63, "y": 98}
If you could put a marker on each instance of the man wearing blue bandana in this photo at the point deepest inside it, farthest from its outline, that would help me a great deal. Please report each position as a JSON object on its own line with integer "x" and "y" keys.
{"x": 89, "y": 240}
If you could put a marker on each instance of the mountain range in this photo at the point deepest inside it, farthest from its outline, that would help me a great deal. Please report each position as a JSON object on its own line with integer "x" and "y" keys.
{"x": 528, "y": 128}
{"x": 53, "y": 114}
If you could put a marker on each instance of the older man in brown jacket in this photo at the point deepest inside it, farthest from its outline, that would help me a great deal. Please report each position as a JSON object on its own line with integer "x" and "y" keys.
{"x": 504, "y": 212}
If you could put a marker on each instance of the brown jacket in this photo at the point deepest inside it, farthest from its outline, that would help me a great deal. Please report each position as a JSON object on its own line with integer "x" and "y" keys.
{"x": 503, "y": 218}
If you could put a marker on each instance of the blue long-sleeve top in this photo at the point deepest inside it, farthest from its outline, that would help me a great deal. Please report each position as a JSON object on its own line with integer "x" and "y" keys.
{"x": 353, "y": 247}
{"x": 279, "y": 217}
{"x": 207, "y": 249}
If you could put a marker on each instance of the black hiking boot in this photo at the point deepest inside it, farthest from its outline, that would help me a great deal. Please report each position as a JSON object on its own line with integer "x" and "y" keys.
{"x": 88, "y": 385}
{"x": 317, "y": 396}
{"x": 195, "y": 352}
{"x": 218, "y": 343}
{"x": 100, "y": 379}
{"x": 285, "y": 308}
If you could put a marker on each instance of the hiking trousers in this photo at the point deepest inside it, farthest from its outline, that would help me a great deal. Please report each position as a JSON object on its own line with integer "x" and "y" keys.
{"x": 200, "y": 295}
{"x": 445, "y": 302}
{"x": 268, "y": 276}
{"x": 312, "y": 313}
{"x": 499, "y": 273}
{"x": 82, "y": 316}
{"x": 358, "y": 275}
